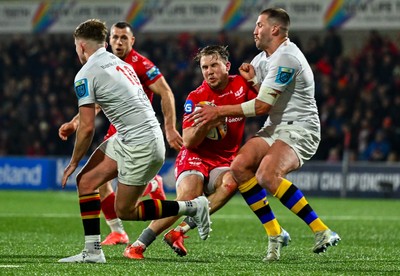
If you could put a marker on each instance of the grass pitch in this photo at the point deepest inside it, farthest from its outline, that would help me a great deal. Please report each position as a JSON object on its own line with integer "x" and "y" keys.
{"x": 38, "y": 228}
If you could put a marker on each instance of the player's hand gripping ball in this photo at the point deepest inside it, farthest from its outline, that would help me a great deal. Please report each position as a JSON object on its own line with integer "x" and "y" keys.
{"x": 216, "y": 133}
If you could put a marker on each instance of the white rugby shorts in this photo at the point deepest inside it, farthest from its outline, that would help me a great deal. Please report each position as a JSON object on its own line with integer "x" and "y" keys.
{"x": 303, "y": 141}
{"x": 137, "y": 164}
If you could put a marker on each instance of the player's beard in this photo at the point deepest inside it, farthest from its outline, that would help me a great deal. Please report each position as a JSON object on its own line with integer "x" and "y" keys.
{"x": 263, "y": 44}
{"x": 216, "y": 85}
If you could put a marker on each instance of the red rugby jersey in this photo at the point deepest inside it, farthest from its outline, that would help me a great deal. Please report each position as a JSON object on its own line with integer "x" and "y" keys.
{"x": 223, "y": 151}
{"x": 147, "y": 72}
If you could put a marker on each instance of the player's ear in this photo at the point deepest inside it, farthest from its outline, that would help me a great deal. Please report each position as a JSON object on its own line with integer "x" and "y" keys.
{"x": 275, "y": 29}
{"x": 105, "y": 45}
{"x": 228, "y": 66}
{"x": 82, "y": 46}
{"x": 133, "y": 40}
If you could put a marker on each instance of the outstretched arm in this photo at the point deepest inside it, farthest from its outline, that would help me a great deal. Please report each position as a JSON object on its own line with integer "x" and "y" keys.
{"x": 207, "y": 114}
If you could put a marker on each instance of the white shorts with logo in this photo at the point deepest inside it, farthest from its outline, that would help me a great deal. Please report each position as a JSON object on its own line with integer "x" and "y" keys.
{"x": 303, "y": 141}
{"x": 137, "y": 164}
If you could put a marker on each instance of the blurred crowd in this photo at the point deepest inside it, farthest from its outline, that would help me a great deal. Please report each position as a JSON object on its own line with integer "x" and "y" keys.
{"x": 357, "y": 91}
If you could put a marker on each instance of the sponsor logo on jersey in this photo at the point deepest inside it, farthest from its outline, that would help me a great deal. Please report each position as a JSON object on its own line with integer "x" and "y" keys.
{"x": 152, "y": 73}
{"x": 239, "y": 93}
{"x": 235, "y": 119}
{"x": 285, "y": 75}
{"x": 188, "y": 106}
{"x": 194, "y": 161}
{"x": 194, "y": 164}
{"x": 225, "y": 94}
{"x": 81, "y": 88}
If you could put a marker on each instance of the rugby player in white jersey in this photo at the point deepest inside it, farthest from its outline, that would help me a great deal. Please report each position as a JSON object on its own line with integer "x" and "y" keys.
{"x": 134, "y": 154}
{"x": 290, "y": 135}
{"x": 153, "y": 82}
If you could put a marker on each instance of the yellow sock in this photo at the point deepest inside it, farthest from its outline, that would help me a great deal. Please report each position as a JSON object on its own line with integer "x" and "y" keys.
{"x": 256, "y": 197}
{"x": 294, "y": 200}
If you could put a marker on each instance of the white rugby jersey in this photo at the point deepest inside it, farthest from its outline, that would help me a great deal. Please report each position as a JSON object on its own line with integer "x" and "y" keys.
{"x": 112, "y": 83}
{"x": 288, "y": 71}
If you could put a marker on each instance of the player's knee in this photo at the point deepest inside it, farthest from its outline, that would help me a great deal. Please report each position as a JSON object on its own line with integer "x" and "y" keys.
{"x": 84, "y": 186}
{"x": 229, "y": 187}
{"x": 237, "y": 168}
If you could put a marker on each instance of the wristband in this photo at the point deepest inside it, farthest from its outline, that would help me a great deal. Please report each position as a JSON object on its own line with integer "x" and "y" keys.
{"x": 254, "y": 80}
{"x": 249, "y": 108}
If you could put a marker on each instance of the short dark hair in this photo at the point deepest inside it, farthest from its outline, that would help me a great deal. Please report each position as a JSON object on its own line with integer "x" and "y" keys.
{"x": 92, "y": 29}
{"x": 217, "y": 50}
{"x": 122, "y": 25}
{"x": 279, "y": 15}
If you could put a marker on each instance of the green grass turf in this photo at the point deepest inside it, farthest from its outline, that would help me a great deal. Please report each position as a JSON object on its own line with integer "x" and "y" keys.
{"x": 38, "y": 228}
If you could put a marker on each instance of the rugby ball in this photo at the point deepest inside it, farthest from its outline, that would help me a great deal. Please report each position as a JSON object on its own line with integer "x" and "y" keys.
{"x": 216, "y": 133}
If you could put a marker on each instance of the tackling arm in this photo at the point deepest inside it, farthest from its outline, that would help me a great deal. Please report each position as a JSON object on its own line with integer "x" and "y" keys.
{"x": 212, "y": 113}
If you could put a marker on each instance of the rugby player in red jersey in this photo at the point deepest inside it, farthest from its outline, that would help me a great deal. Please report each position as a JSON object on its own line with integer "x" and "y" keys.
{"x": 202, "y": 165}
